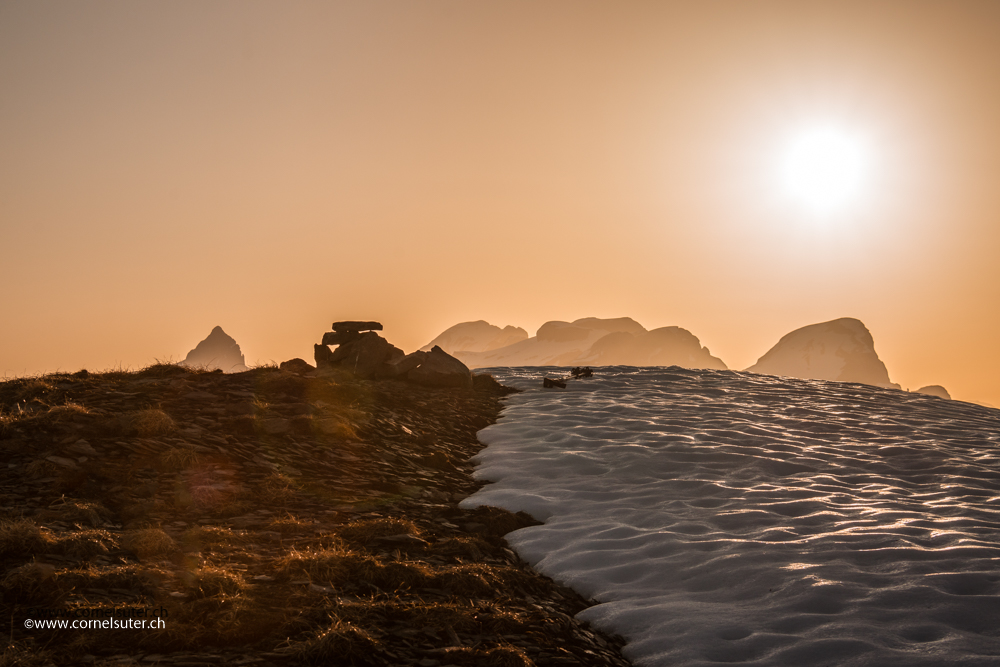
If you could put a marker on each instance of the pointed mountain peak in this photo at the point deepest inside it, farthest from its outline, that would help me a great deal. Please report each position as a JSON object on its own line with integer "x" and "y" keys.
{"x": 218, "y": 350}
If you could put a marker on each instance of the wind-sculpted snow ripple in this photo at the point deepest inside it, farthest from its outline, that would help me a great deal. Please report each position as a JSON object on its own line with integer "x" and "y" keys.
{"x": 725, "y": 517}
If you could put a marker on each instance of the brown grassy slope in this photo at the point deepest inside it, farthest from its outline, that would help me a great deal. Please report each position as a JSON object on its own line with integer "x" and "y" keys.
{"x": 276, "y": 518}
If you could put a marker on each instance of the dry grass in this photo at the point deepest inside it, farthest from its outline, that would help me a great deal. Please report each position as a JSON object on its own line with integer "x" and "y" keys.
{"x": 213, "y": 538}
{"x": 86, "y": 543}
{"x": 277, "y": 490}
{"x": 138, "y": 579}
{"x": 495, "y": 656}
{"x": 34, "y": 389}
{"x": 340, "y": 567}
{"x": 164, "y": 370}
{"x": 380, "y": 598}
{"x": 33, "y": 583}
{"x": 211, "y": 581}
{"x": 178, "y": 458}
{"x": 22, "y": 538}
{"x": 40, "y": 468}
{"x": 147, "y": 543}
{"x": 25, "y": 654}
{"x": 337, "y": 427}
{"x": 471, "y": 548}
{"x": 363, "y": 532}
{"x": 289, "y": 525}
{"x": 434, "y": 616}
{"x": 277, "y": 383}
{"x": 75, "y": 511}
{"x": 341, "y": 643}
{"x": 146, "y": 423}
{"x": 7, "y": 420}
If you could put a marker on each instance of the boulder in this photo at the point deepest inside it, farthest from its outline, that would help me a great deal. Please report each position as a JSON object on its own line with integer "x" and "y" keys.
{"x": 322, "y": 354}
{"x": 217, "y": 351}
{"x": 401, "y": 366}
{"x": 363, "y": 356}
{"x": 440, "y": 369}
{"x": 935, "y": 390}
{"x": 297, "y": 366}
{"x": 487, "y": 383}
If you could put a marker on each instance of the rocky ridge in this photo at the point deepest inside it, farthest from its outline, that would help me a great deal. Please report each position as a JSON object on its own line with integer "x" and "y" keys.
{"x": 279, "y": 517}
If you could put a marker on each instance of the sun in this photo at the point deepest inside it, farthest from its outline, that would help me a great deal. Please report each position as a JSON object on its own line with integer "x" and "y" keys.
{"x": 825, "y": 168}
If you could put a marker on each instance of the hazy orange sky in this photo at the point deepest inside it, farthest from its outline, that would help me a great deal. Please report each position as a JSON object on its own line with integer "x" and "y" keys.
{"x": 271, "y": 167}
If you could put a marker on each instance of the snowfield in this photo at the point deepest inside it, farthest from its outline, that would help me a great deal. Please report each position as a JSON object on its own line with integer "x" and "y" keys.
{"x": 728, "y": 517}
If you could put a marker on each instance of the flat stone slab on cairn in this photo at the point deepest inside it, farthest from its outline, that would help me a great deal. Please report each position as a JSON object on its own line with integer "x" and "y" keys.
{"x": 355, "y": 327}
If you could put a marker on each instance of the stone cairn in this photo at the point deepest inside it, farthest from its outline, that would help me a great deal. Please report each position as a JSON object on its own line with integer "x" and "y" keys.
{"x": 366, "y": 354}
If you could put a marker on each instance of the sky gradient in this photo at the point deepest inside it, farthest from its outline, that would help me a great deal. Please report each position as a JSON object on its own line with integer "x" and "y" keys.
{"x": 272, "y": 167}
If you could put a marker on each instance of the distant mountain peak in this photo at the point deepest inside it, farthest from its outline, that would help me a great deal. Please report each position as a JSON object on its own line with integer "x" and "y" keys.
{"x": 841, "y": 350}
{"x": 218, "y": 350}
{"x": 478, "y": 336}
{"x": 590, "y": 340}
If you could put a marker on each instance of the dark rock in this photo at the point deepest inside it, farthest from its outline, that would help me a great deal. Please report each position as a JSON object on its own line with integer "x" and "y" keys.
{"x": 322, "y": 354}
{"x": 400, "y": 367}
{"x": 297, "y": 366}
{"x": 339, "y": 337}
{"x": 582, "y": 372}
{"x": 440, "y": 369}
{"x": 487, "y": 383}
{"x": 364, "y": 356}
{"x": 437, "y": 460}
{"x": 549, "y": 383}
{"x": 935, "y": 390}
{"x": 356, "y": 326}
{"x": 217, "y": 352}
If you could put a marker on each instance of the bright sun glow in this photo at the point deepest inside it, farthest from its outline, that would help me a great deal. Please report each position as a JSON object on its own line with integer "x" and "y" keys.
{"x": 825, "y": 168}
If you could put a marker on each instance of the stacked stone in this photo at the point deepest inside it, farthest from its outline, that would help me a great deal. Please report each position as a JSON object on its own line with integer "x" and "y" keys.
{"x": 359, "y": 348}
{"x": 366, "y": 354}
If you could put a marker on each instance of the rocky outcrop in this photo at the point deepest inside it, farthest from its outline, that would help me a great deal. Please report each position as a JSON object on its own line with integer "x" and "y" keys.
{"x": 595, "y": 341}
{"x": 218, "y": 351}
{"x": 841, "y": 350}
{"x": 440, "y": 369}
{"x": 359, "y": 349}
{"x": 297, "y": 366}
{"x": 935, "y": 390}
{"x": 479, "y": 336}
{"x": 366, "y": 354}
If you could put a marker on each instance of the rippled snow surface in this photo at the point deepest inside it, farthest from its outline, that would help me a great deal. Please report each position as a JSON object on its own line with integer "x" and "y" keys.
{"x": 725, "y": 517}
